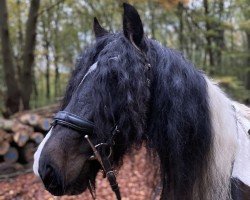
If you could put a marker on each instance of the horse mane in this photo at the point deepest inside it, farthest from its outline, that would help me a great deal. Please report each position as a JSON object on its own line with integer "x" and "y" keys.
{"x": 83, "y": 62}
{"x": 172, "y": 116}
{"x": 180, "y": 126}
{"x": 120, "y": 96}
{"x": 122, "y": 103}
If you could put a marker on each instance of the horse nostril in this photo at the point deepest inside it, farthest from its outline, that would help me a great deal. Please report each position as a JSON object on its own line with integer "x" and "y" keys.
{"x": 48, "y": 175}
{"x": 49, "y": 171}
{"x": 51, "y": 180}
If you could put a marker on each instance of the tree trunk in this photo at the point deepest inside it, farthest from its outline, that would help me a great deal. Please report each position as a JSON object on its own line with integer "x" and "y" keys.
{"x": 20, "y": 41}
{"x": 35, "y": 90}
{"x": 57, "y": 76}
{"x": 152, "y": 17}
{"x": 28, "y": 56}
{"x": 220, "y": 39}
{"x": 46, "y": 45}
{"x": 56, "y": 52}
{"x": 208, "y": 37}
{"x": 181, "y": 25}
{"x": 12, "y": 94}
{"x": 248, "y": 62}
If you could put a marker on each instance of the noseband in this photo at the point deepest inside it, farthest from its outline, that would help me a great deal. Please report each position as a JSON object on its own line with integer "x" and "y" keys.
{"x": 86, "y": 127}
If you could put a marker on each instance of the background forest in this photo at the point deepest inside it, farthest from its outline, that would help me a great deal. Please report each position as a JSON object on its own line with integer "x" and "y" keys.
{"x": 40, "y": 42}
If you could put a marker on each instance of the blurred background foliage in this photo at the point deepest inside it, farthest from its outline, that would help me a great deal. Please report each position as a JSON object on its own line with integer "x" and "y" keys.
{"x": 213, "y": 34}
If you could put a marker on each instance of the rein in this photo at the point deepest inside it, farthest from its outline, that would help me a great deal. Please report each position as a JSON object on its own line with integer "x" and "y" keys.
{"x": 85, "y": 126}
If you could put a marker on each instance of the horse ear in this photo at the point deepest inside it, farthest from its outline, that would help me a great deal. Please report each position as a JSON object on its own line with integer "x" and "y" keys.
{"x": 132, "y": 25}
{"x": 98, "y": 30}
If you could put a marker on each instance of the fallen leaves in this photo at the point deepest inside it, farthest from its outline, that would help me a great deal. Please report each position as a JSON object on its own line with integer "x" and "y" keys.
{"x": 136, "y": 179}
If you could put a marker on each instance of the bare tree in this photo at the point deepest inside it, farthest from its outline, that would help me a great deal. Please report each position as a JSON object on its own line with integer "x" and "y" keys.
{"x": 28, "y": 55}
{"x": 56, "y": 52}
{"x": 248, "y": 61}
{"x": 208, "y": 36}
{"x": 180, "y": 13}
{"x": 46, "y": 44}
{"x": 12, "y": 94}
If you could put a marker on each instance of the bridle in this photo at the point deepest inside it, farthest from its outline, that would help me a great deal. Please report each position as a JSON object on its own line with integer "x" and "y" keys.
{"x": 86, "y": 127}
{"x": 100, "y": 154}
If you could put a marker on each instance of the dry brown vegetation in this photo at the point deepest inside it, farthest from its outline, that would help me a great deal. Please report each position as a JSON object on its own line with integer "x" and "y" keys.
{"x": 134, "y": 178}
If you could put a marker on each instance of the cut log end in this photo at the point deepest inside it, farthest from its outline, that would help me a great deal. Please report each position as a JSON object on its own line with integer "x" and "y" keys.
{"x": 2, "y": 135}
{"x": 30, "y": 119}
{"x": 37, "y": 137}
{"x": 11, "y": 156}
{"x": 44, "y": 124}
{"x": 4, "y": 147}
{"x": 27, "y": 152}
{"x": 7, "y": 124}
{"x": 21, "y": 138}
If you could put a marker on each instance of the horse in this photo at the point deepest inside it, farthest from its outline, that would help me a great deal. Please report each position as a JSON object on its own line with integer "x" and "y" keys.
{"x": 128, "y": 90}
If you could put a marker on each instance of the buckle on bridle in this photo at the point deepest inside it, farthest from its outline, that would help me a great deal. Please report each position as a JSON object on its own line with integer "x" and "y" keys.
{"x": 105, "y": 144}
{"x": 93, "y": 157}
{"x": 96, "y": 155}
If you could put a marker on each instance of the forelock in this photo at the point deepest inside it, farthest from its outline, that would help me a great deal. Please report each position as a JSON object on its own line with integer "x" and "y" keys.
{"x": 83, "y": 62}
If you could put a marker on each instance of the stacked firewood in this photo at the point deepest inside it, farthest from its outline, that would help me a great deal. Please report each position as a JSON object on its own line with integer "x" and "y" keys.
{"x": 20, "y": 135}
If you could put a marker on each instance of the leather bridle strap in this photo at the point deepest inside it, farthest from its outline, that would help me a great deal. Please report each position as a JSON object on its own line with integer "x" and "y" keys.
{"x": 111, "y": 177}
{"x": 107, "y": 168}
{"x": 82, "y": 125}
{"x": 73, "y": 121}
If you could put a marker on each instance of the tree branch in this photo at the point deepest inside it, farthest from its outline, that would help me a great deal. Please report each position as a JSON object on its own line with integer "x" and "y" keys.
{"x": 50, "y": 7}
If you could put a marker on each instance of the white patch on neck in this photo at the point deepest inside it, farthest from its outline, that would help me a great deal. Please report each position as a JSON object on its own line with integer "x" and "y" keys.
{"x": 38, "y": 153}
{"x": 241, "y": 168}
{"x": 224, "y": 145}
{"x": 231, "y": 140}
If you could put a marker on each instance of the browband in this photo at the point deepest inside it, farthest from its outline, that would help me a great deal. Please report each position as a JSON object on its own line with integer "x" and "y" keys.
{"x": 73, "y": 121}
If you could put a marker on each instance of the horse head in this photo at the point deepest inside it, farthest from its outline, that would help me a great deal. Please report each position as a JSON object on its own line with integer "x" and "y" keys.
{"x": 104, "y": 110}
{"x": 127, "y": 90}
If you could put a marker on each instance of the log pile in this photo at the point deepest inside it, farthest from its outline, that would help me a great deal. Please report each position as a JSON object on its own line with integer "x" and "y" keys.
{"x": 21, "y": 134}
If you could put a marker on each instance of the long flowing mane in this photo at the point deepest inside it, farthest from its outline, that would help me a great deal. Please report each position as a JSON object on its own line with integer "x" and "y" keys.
{"x": 180, "y": 125}
{"x": 192, "y": 128}
{"x": 182, "y": 117}
{"x": 83, "y": 62}
{"x": 128, "y": 108}
{"x": 178, "y": 118}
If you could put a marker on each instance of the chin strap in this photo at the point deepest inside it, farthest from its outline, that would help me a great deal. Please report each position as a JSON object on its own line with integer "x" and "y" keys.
{"x": 107, "y": 168}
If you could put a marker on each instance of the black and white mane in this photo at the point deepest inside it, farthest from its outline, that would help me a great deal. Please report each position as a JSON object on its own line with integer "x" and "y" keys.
{"x": 181, "y": 116}
{"x": 172, "y": 116}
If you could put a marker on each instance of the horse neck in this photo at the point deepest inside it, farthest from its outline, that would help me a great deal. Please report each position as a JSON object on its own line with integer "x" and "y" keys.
{"x": 224, "y": 130}
{"x": 216, "y": 174}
